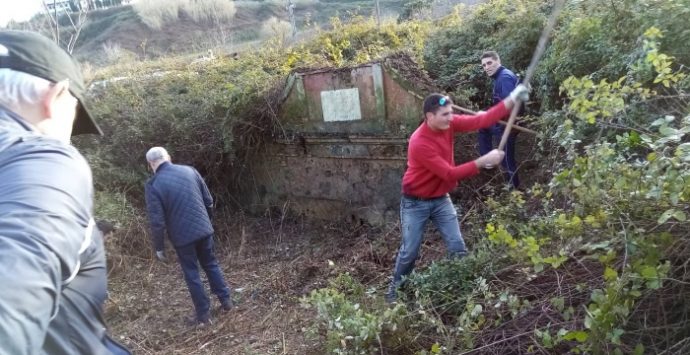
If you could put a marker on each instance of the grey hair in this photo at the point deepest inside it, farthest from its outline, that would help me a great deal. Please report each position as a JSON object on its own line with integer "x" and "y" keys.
{"x": 18, "y": 89}
{"x": 157, "y": 154}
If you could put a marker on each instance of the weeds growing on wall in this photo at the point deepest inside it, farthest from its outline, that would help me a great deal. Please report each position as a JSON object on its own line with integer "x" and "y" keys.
{"x": 215, "y": 113}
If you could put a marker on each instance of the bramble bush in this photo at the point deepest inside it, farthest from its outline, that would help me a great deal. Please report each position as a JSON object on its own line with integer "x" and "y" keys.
{"x": 622, "y": 201}
{"x": 591, "y": 38}
{"x": 359, "y": 41}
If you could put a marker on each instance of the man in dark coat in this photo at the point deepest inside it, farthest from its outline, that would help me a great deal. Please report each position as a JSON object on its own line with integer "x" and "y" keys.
{"x": 51, "y": 255}
{"x": 177, "y": 200}
{"x": 505, "y": 82}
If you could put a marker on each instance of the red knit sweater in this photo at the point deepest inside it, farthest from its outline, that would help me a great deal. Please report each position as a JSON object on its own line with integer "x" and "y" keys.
{"x": 431, "y": 170}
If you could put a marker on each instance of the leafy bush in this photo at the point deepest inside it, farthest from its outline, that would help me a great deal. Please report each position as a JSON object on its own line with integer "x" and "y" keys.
{"x": 353, "y": 321}
{"x": 444, "y": 287}
{"x": 415, "y": 9}
{"x": 621, "y": 199}
{"x": 359, "y": 40}
{"x": 601, "y": 39}
{"x": 511, "y": 28}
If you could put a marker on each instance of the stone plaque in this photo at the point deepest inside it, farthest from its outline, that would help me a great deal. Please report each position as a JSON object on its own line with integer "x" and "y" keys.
{"x": 341, "y": 105}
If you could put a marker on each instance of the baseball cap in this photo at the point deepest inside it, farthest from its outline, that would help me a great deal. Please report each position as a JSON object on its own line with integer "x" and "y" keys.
{"x": 34, "y": 54}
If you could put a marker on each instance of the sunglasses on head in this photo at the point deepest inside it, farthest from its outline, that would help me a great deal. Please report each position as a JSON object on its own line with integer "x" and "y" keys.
{"x": 443, "y": 101}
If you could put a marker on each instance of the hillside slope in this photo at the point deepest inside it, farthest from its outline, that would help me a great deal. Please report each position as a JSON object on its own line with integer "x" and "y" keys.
{"x": 113, "y": 33}
{"x": 121, "y": 28}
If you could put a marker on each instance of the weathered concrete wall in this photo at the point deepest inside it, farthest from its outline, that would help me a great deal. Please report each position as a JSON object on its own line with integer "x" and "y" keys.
{"x": 338, "y": 170}
{"x": 352, "y": 170}
{"x": 378, "y": 93}
{"x": 404, "y": 110}
{"x": 334, "y": 178}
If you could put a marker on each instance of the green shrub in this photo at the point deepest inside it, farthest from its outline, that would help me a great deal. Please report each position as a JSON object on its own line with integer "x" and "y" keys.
{"x": 511, "y": 28}
{"x": 353, "y": 321}
{"x": 444, "y": 286}
{"x": 619, "y": 197}
{"x": 359, "y": 40}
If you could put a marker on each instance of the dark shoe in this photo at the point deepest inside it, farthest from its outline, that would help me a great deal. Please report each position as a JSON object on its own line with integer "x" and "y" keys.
{"x": 226, "y": 306}
{"x": 198, "y": 321}
{"x": 392, "y": 295}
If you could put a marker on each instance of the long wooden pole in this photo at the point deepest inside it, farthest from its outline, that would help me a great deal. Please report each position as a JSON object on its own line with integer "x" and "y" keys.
{"x": 470, "y": 112}
{"x": 541, "y": 46}
{"x": 515, "y": 127}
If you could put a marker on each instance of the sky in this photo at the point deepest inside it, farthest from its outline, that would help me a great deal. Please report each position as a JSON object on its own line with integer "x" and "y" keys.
{"x": 18, "y": 10}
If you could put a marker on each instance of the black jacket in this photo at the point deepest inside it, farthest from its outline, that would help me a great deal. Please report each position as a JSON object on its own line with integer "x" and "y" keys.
{"x": 52, "y": 259}
{"x": 178, "y": 200}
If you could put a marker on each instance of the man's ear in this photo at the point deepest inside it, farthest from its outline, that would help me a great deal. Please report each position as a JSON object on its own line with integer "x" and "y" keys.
{"x": 53, "y": 94}
{"x": 428, "y": 115}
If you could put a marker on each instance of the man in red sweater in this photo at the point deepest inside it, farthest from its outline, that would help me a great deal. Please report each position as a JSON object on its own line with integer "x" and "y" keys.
{"x": 431, "y": 174}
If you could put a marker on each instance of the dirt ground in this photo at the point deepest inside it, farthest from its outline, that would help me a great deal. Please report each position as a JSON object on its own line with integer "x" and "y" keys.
{"x": 270, "y": 264}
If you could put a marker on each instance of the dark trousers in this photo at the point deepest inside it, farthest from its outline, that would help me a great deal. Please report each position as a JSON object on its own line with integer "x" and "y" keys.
{"x": 489, "y": 138}
{"x": 202, "y": 251}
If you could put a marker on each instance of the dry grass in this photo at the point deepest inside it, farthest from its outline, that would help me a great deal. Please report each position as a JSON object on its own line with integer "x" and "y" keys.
{"x": 210, "y": 11}
{"x": 269, "y": 262}
{"x": 157, "y": 13}
{"x": 276, "y": 28}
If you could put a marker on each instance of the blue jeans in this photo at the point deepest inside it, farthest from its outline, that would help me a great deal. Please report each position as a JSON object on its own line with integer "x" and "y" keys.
{"x": 114, "y": 347}
{"x": 202, "y": 250}
{"x": 414, "y": 215}
{"x": 492, "y": 135}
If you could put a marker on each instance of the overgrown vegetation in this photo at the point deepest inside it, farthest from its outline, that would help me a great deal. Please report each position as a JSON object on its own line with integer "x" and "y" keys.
{"x": 591, "y": 260}
{"x": 594, "y": 253}
{"x": 215, "y": 113}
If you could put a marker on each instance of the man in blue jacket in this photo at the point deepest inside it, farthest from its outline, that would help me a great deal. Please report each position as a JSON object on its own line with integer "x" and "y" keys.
{"x": 505, "y": 82}
{"x": 177, "y": 200}
{"x": 52, "y": 261}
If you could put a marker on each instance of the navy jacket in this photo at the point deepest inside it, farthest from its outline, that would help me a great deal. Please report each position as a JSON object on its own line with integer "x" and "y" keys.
{"x": 504, "y": 83}
{"x": 53, "y": 263}
{"x": 178, "y": 200}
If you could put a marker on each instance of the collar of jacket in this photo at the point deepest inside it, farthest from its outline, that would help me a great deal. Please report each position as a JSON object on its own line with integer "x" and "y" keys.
{"x": 10, "y": 119}
{"x": 498, "y": 71}
{"x": 162, "y": 166}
